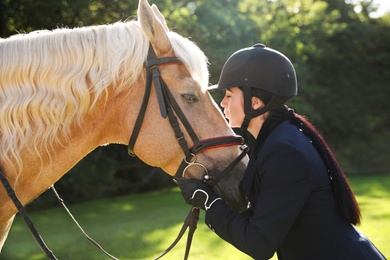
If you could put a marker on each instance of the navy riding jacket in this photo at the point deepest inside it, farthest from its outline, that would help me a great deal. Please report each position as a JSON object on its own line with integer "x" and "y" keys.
{"x": 294, "y": 210}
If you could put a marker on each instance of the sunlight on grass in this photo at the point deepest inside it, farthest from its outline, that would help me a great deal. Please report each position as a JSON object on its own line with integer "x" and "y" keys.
{"x": 205, "y": 245}
{"x": 373, "y": 196}
{"x": 127, "y": 207}
{"x": 142, "y": 226}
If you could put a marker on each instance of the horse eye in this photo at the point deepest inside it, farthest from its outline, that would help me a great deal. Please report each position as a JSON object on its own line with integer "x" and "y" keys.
{"x": 189, "y": 98}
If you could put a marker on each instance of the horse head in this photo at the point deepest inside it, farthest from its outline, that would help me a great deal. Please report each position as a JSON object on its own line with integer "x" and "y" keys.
{"x": 187, "y": 82}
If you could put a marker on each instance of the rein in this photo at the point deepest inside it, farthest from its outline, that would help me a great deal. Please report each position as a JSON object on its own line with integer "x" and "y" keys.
{"x": 190, "y": 222}
{"x": 168, "y": 108}
{"x": 31, "y": 226}
{"x": 27, "y": 219}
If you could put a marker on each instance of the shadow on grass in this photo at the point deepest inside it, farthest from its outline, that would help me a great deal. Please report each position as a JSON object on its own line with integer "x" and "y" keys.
{"x": 132, "y": 227}
{"x": 373, "y": 186}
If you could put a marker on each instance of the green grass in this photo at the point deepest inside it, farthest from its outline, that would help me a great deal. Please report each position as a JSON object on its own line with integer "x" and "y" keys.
{"x": 143, "y": 225}
{"x": 373, "y": 196}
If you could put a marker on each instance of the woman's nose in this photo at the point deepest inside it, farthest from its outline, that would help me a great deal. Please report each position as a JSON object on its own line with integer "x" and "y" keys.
{"x": 223, "y": 102}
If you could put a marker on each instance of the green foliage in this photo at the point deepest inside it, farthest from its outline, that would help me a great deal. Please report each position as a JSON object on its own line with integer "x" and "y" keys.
{"x": 342, "y": 59}
{"x": 352, "y": 81}
{"x": 28, "y": 15}
{"x": 107, "y": 172}
{"x": 142, "y": 226}
{"x": 218, "y": 27}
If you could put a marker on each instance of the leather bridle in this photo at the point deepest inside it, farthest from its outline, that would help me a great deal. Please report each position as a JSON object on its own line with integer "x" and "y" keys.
{"x": 168, "y": 108}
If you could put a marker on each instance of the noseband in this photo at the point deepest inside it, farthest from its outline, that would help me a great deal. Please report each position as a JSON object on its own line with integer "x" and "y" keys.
{"x": 168, "y": 107}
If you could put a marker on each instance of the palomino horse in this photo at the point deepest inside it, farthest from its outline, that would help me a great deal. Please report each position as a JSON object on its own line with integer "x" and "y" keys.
{"x": 67, "y": 91}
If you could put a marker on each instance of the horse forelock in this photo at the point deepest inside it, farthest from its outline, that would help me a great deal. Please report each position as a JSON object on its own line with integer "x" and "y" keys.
{"x": 51, "y": 79}
{"x": 192, "y": 57}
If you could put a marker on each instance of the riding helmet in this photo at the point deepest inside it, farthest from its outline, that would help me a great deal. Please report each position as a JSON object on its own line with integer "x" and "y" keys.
{"x": 260, "y": 67}
{"x": 262, "y": 72}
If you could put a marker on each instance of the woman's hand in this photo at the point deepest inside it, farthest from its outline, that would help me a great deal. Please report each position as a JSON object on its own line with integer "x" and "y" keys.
{"x": 197, "y": 194}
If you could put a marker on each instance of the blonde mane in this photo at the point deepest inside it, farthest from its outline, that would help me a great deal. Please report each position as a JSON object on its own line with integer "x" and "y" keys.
{"x": 50, "y": 79}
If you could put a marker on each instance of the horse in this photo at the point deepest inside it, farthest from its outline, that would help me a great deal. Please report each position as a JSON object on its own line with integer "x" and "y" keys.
{"x": 64, "y": 92}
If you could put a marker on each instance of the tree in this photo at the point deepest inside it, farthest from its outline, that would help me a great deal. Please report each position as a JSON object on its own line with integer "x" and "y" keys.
{"x": 340, "y": 74}
{"x": 23, "y": 16}
{"x": 342, "y": 59}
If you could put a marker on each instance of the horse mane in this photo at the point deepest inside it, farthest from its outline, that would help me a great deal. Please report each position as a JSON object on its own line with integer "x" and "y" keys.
{"x": 50, "y": 79}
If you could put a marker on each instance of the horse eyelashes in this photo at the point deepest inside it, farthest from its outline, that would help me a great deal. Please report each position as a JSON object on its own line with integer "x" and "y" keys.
{"x": 190, "y": 98}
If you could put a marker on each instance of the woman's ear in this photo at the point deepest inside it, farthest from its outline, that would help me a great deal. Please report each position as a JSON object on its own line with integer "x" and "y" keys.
{"x": 257, "y": 103}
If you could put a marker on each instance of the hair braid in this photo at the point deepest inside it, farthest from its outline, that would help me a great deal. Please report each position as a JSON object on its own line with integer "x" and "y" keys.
{"x": 345, "y": 199}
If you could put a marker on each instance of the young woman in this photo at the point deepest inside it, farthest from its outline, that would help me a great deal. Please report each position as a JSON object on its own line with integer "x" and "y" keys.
{"x": 302, "y": 204}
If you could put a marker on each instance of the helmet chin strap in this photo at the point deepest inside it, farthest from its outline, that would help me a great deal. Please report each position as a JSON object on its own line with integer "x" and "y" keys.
{"x": 244, "y": 128}
{"x": 251, "y": 113}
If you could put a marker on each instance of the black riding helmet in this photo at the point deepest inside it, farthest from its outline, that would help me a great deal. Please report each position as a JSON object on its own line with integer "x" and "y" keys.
{"x": 262, "y": 72}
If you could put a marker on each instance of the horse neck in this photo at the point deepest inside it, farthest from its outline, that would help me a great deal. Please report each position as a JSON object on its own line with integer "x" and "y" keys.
{"x": 4, "y": 230}
{"x": 105, "y": 123}
{"x": 41, "y": 171}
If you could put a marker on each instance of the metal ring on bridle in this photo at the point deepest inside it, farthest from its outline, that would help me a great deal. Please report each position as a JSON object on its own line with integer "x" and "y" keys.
{"x": 196, "y": 164}
{"x": 192, "y": 159}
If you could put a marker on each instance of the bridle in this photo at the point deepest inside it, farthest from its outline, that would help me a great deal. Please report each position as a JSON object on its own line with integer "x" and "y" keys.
{"x": 168, "y": 107}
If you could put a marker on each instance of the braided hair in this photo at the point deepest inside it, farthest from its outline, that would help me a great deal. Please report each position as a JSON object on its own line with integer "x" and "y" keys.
{"x": 345, "y": 199}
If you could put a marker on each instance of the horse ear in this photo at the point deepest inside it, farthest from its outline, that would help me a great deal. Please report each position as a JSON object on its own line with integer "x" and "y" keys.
{"x": 160, "y": 17}
{"x": 153, "y": 27}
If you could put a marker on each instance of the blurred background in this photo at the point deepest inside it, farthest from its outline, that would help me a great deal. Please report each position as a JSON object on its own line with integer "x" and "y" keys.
{"x": 340, "y": 49}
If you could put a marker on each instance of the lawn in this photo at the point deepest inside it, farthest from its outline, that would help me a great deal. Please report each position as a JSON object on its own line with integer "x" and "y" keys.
{"x": 141, "y": 227}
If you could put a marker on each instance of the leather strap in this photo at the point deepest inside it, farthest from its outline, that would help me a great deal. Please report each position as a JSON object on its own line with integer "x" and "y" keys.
{"x": 191, "y": 223}
{"x": 93, "y": 242}
{"x": 26, "y": 217}
{"x": 152, "y": 74}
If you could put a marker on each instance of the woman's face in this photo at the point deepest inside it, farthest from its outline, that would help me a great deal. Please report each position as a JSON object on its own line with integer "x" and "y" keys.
{"x": 233, "y": 104}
